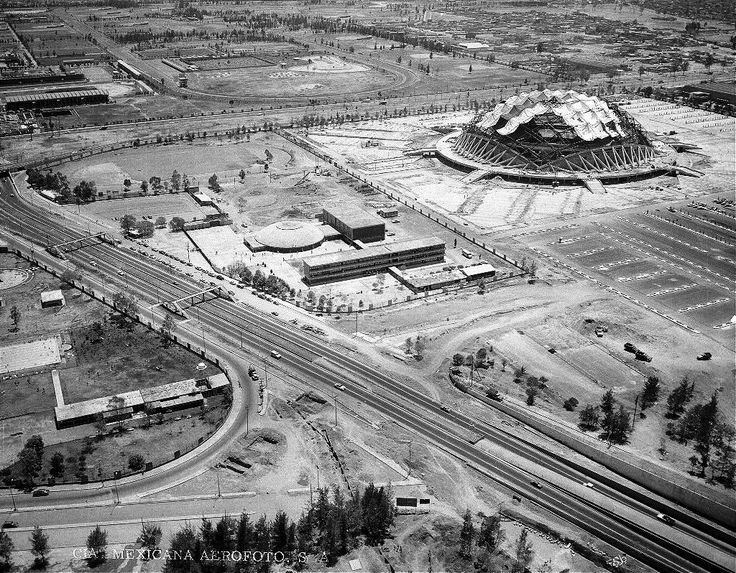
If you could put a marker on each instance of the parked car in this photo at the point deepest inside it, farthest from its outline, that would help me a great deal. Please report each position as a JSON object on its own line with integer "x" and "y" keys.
{"x": 340, "y": 386}
{"x": 9, "y": 525}
{"x": 537, "y": 484}
{"x": 42, "y": 492}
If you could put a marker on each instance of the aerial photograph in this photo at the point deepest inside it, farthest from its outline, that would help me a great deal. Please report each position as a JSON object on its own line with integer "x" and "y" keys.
{"x": 372, "y": 286}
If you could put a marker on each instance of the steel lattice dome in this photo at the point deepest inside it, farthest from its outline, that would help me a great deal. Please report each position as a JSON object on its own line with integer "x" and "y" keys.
{"x": 554, "y": 132}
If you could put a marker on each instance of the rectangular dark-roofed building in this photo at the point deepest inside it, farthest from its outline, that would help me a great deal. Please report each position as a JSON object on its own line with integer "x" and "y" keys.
{"x": 55, "y": 99}
{"x": 355, "y": 224}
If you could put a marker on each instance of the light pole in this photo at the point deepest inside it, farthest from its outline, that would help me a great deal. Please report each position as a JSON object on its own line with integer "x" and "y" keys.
{"x": 335, "y": 398}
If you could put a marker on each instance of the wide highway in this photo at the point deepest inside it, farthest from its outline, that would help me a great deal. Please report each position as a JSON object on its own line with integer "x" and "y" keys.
{"x": 625, "y": 523}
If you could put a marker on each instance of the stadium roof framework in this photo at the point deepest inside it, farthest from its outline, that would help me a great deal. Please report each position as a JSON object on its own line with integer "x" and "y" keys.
{"x": 553, "y": 136}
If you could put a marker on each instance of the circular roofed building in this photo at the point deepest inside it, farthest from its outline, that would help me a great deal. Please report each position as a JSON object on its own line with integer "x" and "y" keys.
{"x": 286, "y": 237}
{"x": 552, "y": 135}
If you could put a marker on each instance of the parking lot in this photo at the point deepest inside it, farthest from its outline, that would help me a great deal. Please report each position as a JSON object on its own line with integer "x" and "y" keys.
{"x": 687, "y": 271}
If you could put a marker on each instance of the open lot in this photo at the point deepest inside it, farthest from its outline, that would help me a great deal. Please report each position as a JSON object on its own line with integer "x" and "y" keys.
{"x": 154, "y": 206}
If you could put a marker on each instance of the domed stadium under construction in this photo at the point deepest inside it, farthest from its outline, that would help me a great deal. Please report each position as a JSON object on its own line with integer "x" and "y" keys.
{"x": 553, "y": 136}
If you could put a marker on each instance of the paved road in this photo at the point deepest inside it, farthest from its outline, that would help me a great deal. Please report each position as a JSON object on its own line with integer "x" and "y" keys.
{"x": 629, "y": 528}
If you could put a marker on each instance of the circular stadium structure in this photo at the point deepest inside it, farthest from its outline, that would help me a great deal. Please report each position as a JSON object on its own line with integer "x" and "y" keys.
{"x": 553, "y": 136}
{"x": 286, "y": 237}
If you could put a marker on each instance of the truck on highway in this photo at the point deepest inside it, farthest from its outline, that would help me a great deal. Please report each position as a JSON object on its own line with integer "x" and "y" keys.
{"x": 275, "y": 355}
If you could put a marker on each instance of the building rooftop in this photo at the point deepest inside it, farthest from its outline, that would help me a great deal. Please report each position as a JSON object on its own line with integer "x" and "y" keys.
{"x": 51, "y": 295}
{"x": 482, "y": 269}
{"x": 53, "y": 96}
{"x": 96, "y": 406}
{"x": 290, "y": 236}
{"x": 373, "y": 251}
{"x": 353, "y": 217}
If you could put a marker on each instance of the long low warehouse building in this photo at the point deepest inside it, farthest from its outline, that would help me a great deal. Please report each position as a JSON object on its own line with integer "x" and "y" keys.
{"x": 55, "y": 99}
{"x": 165, "y": 398}
{"x": 371, "y": 260}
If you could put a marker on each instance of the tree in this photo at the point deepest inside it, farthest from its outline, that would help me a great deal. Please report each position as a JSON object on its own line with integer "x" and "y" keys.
{"x": 242, "y": 174}
{"x": 724, "y": 435}
{"x": 136, "y": 462}
{"x": 419, "y": 346}
{"x": 618, "y": 433}
{"x": 15, "y": 316}
{"x": 457, "y": 359}
{"x": 183, "y": 551}
{"x": 125, "y": 304}
{"x": 524, "y": 553}
{"x": 6, "y": 551}
{"x": 467, "y": 534}
{"x": 176, "y": 224}
{"x": 213, "y": 183}
{"x": 85, "y": 190}
{"x": 588, "y": 419}
{"x": 70, "y": 276}
{"x": 176, "y": 180}
{"x": 57, "y": 465}
{"x": 650, "y": 393}
{"x": 679, "y": 397}
{"x": 709, "y": 61}
{"x": 127, "y": 222}
{"x": 150, "y": 536}
{"x": 408, "y": 345}
{"x": 40, "y": 548}
{"x": 30, "y": 459}
{"x": 570, "y": 404}
{"x": 145, "y": 228}
{"x": 167, "y": 329}
{"x": 160, "y": 222}
{"x": 97, "y": 546}
{"x": 491, "y": 535}
{"x": 144, "y": 186}
{"x": 531, "y": 394}
{"x": 706, "y": 424}
{"x": 606, "y": 408}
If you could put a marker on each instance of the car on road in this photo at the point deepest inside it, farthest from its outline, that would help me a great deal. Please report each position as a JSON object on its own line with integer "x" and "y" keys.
{"x": 9, "y": 525}
{"x": 121, "y": 273}
{"x": 42, "y": 492}
{"x": 537, "y": 484}
{"x": 444, "y": 408}
{"x": 665, "y": 518}
{"x": 340, "y": 386}
{"x": 588, "y": 484}
{"x": 92, "y": 264}
{"x": 276, "y": 355}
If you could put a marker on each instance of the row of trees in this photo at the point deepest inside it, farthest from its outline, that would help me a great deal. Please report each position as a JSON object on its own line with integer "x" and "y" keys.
{"x": 713, "y": 438}
{"x": 331, "y": 526}
{"x": 270, "y": 283}
{"x": 83, "y": 191}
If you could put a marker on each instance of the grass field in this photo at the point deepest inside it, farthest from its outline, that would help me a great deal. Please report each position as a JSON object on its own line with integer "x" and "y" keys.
{"x": 166, "y": 206}
{"x": 121, "y": 359}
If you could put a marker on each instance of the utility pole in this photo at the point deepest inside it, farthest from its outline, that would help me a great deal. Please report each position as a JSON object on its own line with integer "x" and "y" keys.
{"x": 12, "y": 497}
{"x": 335, "y": 398}
{"x": 633, "y": 418}
{"x": 219, "y": 492}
